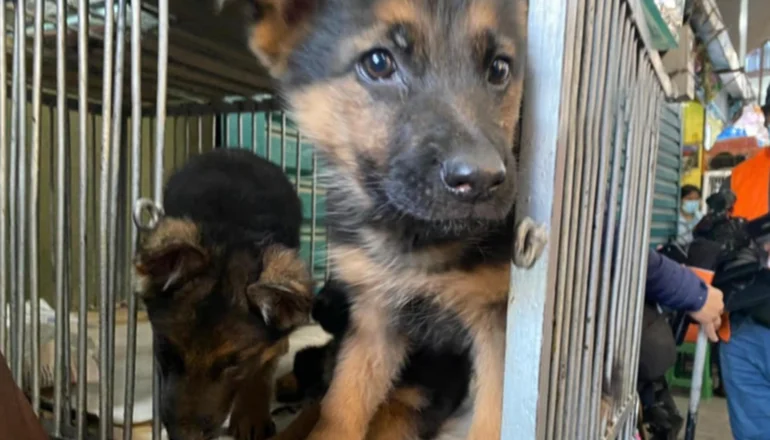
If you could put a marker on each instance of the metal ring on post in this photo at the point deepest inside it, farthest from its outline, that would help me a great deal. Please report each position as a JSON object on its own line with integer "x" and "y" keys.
{"x": 149, "y": 206}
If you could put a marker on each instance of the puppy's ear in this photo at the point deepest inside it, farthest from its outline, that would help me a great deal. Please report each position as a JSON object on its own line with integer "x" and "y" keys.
{"x": 170, "y": 253}
{"x": 276, "y": 28}
{"x": 283, "y": 295}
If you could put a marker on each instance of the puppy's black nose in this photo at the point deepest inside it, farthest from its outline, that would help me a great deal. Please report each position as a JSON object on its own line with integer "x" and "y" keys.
{"x": 469, "y": 177}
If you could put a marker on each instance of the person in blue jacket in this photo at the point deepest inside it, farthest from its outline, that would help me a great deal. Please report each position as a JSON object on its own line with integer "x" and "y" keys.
{"x": 676, "y": 287}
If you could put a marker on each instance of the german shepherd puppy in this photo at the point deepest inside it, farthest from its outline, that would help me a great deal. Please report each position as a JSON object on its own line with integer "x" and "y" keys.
{"x": 223, "y": 284}
{"x": 425, "y": 396}
{"x": 413, "y": 106}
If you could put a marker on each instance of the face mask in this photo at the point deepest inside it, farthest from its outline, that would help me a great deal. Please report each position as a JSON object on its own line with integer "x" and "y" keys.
{"x": 691, "y": 206}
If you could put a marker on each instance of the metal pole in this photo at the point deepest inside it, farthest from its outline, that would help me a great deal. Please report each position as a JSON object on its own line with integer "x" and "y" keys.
{"x": 3, "y": 187}
{"x": 136, "y": 175}
{"x": 115, "y": 169}
{"x": 61, "y": 149}
{"x": 313, "y": 214}
{"x": 34, "y": 200}
{"x": 20, "y": 81}
{"x": 762, "y": 51}
{"x": 82, "y": 214}
{"x": 699, "y": 364}
{"x": 163, "y": 34}
{"x": 743, "y": 29}
{"x": 105, "y": 406}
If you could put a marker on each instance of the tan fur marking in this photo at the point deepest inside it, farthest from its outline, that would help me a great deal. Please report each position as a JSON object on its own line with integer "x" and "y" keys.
{"x": 283, "y": 292}
{"x": 272, "y": 39}
{"x": 170, "y": 233}
{"x": 511, "y": 106}
{"x": 410, "y": 397}
{"x": 457, "y": 289}
{"x": 396, "y": 11}
{"x": 369, "y": 361}
{"x": 275, "y": 351}
{"x": 357, "y": 125}
{"x": 360, "y": 43}
{"x": 357, "y": 122}
{"x": 397, "y": 418}
{"x": 283, "y": 266}
{"x": 488, "y": 332}
{"x": 482, "y": 15}
{"x": 172, "y": 230}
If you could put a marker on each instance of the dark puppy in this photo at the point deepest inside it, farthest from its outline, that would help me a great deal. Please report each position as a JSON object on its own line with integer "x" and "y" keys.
{"x": 223, "y": 285}
{"x": 413, "y": 105}
{"x": 434, "y": 394}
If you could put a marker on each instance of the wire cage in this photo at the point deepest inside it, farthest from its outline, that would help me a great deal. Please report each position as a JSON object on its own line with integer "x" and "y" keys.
{"x": 104, "y": 98}
{"x": 591, "y": 120}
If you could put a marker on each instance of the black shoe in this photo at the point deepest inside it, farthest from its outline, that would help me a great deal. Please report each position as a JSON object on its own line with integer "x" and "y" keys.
{"x": 662, "y": 424}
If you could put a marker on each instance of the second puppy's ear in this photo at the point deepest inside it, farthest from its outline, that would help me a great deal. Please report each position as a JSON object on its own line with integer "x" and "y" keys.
{"x": 276, "y": 29}
{"x": 283, "y": 294}
{"x": 170, "y": 254}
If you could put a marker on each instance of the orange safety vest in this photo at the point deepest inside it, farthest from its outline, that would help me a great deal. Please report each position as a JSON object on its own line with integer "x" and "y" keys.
{"x": 750, "y": 181}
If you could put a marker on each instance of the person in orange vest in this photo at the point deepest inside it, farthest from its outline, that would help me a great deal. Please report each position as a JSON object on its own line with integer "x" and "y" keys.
{"x": 745, "y": 359}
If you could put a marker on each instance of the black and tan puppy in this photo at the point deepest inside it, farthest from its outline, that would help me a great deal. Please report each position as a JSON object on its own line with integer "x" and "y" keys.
{"x": 413, "y": 104}
{"x": 223, "y": 285}
{"x": 423, "y": 398}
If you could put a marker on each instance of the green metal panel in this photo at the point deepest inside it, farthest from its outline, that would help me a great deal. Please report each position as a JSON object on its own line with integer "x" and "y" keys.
{"x": 665, "y": 206}
{"x": 285, "y": 148}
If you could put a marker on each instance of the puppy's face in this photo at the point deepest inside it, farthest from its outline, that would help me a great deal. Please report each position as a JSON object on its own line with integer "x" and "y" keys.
{"x": 216, "y": 311}
{"x": 413, "y": 103}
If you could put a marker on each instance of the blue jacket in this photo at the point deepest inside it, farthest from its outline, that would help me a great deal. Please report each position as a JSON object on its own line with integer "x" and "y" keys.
{"x": 673, "y": 285}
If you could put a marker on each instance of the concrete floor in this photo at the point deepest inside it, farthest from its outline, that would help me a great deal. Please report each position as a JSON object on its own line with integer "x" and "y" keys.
{"x": 713, "y": 422}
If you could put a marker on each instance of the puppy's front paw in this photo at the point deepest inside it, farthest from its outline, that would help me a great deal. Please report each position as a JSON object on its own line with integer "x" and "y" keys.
{"x": 247, "y": 429}
{"x": 530, "y": 239}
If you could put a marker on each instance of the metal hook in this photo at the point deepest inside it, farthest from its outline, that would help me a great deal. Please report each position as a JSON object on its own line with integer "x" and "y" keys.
{"x": 149, "y": 206}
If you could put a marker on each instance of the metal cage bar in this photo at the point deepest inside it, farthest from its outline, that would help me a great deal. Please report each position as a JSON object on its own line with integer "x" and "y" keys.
{"x": 82, "y": 234}
{"x": 582, "y": 302}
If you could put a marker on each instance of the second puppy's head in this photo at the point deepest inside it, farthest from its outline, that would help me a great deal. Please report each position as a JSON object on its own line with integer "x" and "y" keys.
{"x": 218, "y": 307}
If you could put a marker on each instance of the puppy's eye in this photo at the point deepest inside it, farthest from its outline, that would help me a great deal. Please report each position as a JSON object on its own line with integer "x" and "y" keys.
{"x": 499, "y": 71}
{"x": 378, "y": 65}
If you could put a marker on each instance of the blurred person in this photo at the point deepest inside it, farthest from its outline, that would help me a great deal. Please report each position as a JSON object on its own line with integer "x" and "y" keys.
{"x": 689, "y": 213}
